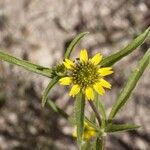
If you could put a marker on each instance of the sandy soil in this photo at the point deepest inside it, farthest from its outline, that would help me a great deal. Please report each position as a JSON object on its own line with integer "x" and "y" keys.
{"x": 39, "y": 31}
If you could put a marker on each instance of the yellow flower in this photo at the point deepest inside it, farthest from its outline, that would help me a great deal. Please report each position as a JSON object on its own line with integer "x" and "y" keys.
{"x": 86, "y": 74}
{"x": 88, "y": 133}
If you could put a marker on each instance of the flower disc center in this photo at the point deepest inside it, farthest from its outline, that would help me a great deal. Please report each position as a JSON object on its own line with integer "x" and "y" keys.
{"x": 85, "y": 74}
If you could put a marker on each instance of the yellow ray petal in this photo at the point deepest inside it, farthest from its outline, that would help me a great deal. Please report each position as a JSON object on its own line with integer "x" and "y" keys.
{"x": 98, "y": 88}
{"x": 74, "y": 90}
{"x": 68, "y": 64}
{"x": 83, "y": 55}
{"x": 89, "y": 93}
{"x": 87, "y": 126}
{"x": 105, "y": 71}
{"x": 65, "y": 80}
{"x": 86, "y": 135}
{"x": 96, "y": 59}
{"x": 105, "y": 84}
{"x": 89, "y": 134}
{"x": 74, "y": 134}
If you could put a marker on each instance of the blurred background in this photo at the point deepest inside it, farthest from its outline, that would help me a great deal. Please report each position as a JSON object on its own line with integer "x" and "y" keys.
{"x": 40, "y": 31}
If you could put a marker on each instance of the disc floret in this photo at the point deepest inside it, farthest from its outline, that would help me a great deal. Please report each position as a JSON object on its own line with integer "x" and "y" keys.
{"x": 85, "y": 74}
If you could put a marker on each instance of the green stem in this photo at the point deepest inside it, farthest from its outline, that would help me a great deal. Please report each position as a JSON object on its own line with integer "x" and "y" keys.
{"x": 101, "y": 108}
{"x": 96, "y": 112}
{"x": 102, "y": 143}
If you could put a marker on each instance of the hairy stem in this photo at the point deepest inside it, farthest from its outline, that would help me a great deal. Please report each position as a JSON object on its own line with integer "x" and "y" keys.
{"x": 103, "y": 143}
{"x": 96, "y": 112}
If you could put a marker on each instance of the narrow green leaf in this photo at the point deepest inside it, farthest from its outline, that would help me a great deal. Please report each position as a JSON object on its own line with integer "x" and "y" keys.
{"x": 92, "y": 117}
{"x": 121, "y": 128}
{"x": 57, "y": 109}
{"x": 74, "y": 43}
{"x": 72, "y": 119}
{"x": 86, "y": 146}
{"x": 25, "y": 64}
{"x": 130, "y": 85}
{"x": 110, "y": 60}
{"x": 99, "y": 144}
{"x": 79, "y": 115}
{"x": 48, "y": 88}
{"x": 96, "y": 103}
{"x": 92, "y": 124}
{"x": 101, "y": 108}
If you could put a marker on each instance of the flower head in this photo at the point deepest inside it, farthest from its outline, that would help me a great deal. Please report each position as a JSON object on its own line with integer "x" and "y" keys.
{"x": 88, "y": 133}
{"x": 86, "y": 74}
